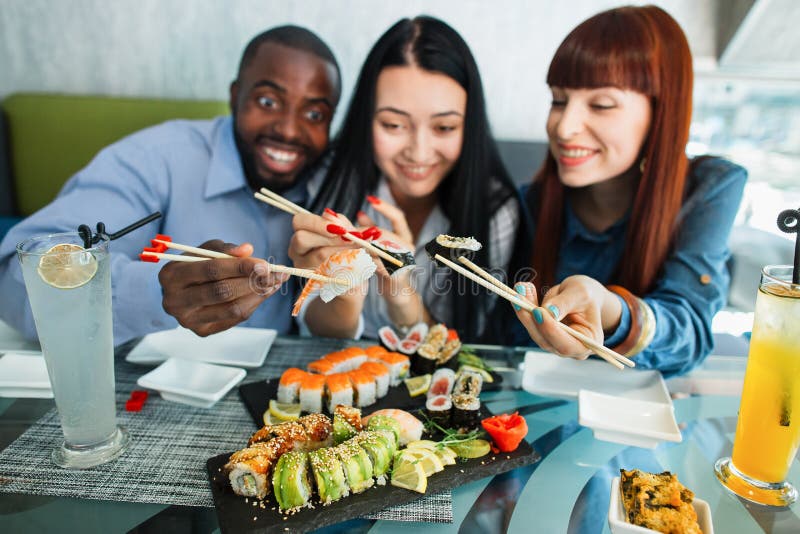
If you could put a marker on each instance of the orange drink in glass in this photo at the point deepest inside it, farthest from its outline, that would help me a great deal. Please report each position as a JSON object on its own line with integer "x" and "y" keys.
{"x": 768, "y": 427}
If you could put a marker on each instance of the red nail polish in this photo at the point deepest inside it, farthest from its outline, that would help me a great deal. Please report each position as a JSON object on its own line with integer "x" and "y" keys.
{"x": 148, "y": 257}
{"x": 335, "y": 229}
{"x": 163, "y": 237}
{"x": 330, "y": 212}
{"x": 373, "y": 200}
{"x": 361, "y": 214}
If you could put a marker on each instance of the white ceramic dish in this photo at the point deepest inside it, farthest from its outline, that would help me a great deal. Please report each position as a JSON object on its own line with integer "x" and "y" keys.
{"x": 196, "y": 383}
{"x": 618, "y": 523}
{"x": 553, "y": 376}
{"x": 239, "y": 346}
{"x": 26, "y": 393}
{"x": 24, "y": 375}
{"x": 627, "y": 421}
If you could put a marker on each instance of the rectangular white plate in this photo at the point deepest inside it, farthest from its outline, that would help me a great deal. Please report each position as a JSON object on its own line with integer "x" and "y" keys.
{"x": 239, "y": 346}
{"x": 627, "y": 421}
{"x": 553, "y": 376}
{"x": 26, "y": 393}
{"x": 204, "y": 383}
{"x": 23, "y": 371}
{"x": 619, "y": 523}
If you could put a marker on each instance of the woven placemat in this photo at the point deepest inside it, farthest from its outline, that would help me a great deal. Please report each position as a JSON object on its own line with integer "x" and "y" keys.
{"x": 170, "y": 445}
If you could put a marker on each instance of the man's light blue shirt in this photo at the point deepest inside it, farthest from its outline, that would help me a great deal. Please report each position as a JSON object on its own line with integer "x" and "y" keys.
{"x": 191, "y": 172}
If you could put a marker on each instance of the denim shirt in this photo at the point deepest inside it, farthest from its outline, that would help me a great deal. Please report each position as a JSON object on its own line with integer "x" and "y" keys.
{"x": 693, "y": 283}
{"x": 191, "y": 172}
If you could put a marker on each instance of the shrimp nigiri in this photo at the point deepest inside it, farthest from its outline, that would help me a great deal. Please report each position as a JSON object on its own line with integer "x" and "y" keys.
{"x": 353, "y": 265}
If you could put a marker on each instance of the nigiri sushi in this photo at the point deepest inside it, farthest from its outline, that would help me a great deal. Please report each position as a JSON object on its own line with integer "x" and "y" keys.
{"x": 353, "y": 265}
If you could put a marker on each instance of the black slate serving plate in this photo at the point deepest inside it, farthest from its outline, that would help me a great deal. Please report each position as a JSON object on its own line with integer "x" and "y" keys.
{"x": 235, "y": 514}
{"x": 256, "y": 397}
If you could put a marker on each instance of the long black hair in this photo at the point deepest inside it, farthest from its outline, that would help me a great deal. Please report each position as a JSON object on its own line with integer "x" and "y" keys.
{"x": 477, "y": 185}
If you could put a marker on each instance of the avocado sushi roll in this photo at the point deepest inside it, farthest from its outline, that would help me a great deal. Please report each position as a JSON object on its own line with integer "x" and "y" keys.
{"x": 328, "y": 475}
{"x": 290, "y": 482}
{"x": 357, "y": 465}
{"x": 379, "y": 453}
{"x": 384, "y": 422}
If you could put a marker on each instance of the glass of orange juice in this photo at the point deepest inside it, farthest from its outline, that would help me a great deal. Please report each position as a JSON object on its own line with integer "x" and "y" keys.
{"x": 768, "y": 428}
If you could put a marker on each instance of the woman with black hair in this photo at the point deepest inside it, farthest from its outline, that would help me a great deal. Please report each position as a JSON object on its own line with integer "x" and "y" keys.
{"x": 415, "y": 157}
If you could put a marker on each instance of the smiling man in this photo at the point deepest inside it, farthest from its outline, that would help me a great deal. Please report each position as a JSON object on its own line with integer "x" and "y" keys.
{"x": 201, "y": 176}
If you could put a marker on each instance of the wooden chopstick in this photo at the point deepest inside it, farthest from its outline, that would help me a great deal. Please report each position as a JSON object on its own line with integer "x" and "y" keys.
{"x": 208, "y": 254}
{"x": 607, "y": 354}
{"x": 277, "y": 201}
{"x": 288, "y": 203}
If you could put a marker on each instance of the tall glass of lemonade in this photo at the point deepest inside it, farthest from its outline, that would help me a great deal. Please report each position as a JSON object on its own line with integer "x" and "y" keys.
{"x": 768, "y": 428}
{"x": 69, "y": 289}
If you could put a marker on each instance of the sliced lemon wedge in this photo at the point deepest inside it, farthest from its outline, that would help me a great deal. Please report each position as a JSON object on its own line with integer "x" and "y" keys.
{"x": 418, "y": 385}
{"x": 284, "y": 411}
{"x": 67, "y": 266}
{"x": 409, "y": 474}
{"x": 428, "y": 459}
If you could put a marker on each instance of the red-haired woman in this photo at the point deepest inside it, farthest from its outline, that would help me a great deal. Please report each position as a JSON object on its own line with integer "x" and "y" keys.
{"x": 629, "y": 235}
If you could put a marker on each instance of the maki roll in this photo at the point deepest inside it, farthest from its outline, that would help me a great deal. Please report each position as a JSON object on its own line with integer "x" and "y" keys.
{"x": 450, "y": 349}
{"x": 452, "y": 248}
{"x": 468, "y": 383}
{"x": 417, "y": 333}
{"x": 466, "y": 411}
{"x": 398, "y": 365}
{"x": 364, "y": 388}
{"x": 290, "y": 482}
{"x": 439, "y": 408}
{"x": 248, "y": 470}
{"x": 424, "y": 361}
{"x": 396, "y": 251}
{"x": 388, "y": 337}
{"x": 356, "y": 464}
{"x": 408, "y": 346}
{"x": 329, "y": 475}
{"x": 351, "y": 415}
{"x": 442, "y": 382}
{"x": 312, "y": 390}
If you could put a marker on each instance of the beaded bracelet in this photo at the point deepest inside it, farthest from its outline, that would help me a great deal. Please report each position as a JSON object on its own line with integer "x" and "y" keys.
{"x": 643, "y": 323}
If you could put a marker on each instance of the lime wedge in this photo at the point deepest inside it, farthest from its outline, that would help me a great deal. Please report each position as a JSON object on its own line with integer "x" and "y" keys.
{"x": 418, "y": 385}
{"x": 283, "y": 411}
{"x": 67, "y": 266}
{"x": 471, "y": 449}
{"x": 409, "y": 474}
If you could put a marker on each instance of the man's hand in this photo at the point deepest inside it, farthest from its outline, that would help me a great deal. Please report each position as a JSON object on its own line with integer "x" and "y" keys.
{"x": 211, "y": 296}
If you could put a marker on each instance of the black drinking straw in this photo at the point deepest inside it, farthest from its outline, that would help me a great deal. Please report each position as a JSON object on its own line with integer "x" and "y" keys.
{"x": 88, "y": 239}
{"x": 789, "y": 222}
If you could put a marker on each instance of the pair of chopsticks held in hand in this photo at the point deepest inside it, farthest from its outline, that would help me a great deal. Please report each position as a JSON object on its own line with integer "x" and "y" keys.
{"x": 163, "y": 242}
{"x": 483, "y": 278}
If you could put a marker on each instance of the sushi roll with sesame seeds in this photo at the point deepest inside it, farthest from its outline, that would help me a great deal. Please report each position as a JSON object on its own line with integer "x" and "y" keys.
{"x": 379, "y": 454}
{"x": 468, "y": 382}
{"x": 466, "y": 411}
{"x": 357, "y": 466}
{"x": 290, "y": 481}
{"x": 328, "y": 475}
{"x": 249, "y": 469}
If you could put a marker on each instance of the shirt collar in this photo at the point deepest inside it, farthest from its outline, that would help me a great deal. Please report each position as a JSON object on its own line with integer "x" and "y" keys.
{"x": 574, "y": 228}
{"x": 225, "y": 173}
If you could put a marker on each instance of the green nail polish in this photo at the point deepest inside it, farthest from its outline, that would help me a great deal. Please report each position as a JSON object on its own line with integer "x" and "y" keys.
{"x": 554, "y": 310}
{"x": 537, "y": 315}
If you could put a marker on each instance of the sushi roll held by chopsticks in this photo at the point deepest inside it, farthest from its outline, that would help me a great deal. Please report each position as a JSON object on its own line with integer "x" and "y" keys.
{"x": 451, "y": 247}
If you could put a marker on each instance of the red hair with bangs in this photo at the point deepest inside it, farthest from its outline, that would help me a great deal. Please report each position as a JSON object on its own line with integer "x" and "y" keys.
{"x": 632, "y": 48}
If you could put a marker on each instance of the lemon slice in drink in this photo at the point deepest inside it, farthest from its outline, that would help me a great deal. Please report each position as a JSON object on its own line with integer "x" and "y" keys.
{"x": 409, "y": 474}
{"x": 283, "y": 411}
{"x": 67, "y": 266}
{"x": 418, "y": 385}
